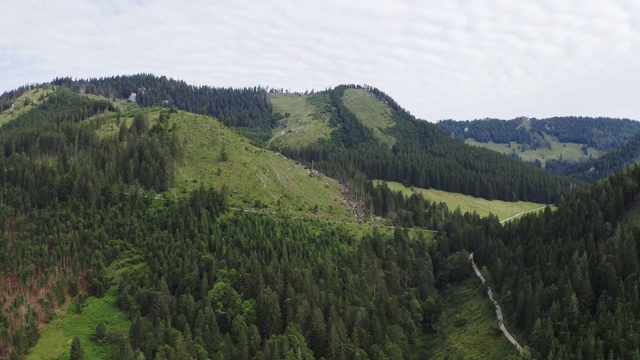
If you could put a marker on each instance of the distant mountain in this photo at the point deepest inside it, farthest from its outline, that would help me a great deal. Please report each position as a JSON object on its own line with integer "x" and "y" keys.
{"x": 603, "y": 134}
{"x": 586, "y": 149}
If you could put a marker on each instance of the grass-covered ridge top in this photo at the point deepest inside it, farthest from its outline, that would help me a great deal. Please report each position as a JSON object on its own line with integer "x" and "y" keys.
{"x": 304, "y": 119}
{"x": 372, "y": 113}
{"x": 22, "y": 103}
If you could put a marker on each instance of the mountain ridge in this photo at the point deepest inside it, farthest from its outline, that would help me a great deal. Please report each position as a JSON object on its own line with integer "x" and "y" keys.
{"x": 352, "y": 147}
{"x": 422, "y": 155}
{"x": 568, "y": 146}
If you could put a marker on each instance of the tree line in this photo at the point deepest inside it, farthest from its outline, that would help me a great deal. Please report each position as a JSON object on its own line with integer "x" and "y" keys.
{"x": 245, "y": 108}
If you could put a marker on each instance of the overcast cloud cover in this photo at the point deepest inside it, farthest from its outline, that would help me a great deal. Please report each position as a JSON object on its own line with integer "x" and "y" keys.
{"x": 437, "y": 59}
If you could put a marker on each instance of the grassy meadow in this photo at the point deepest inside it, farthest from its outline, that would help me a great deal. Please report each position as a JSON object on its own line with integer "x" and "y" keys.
{"x": 469, "y": 328}
{"x": 566, "y": 151}
{"x": 372, "y": 113}
{"x": 467, "y": 203}
{"x": 255, "y": 178}
{"x": 24, "y": 103}
{"x": 55, "y": 338}
{"x": 305, "y": 124}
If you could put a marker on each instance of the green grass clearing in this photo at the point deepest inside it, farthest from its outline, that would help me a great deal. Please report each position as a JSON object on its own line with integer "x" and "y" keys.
{"x": 32, "y": 98}
{"x": 55, "y": 338}
{"x": 307, "y": 121}
{"x": 372, "y": 113}
{"x": 255, "y": 178}
{"x": 468, "y": 327}
{"x": 467, "y": 203}
{"x": 559, "y": 150}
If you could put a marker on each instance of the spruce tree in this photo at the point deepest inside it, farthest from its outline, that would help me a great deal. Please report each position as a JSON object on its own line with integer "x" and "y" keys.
{"x": 76, "y": 349}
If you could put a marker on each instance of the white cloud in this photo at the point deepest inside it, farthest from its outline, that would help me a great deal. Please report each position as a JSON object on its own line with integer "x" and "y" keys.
{"x": 438, "y": 59}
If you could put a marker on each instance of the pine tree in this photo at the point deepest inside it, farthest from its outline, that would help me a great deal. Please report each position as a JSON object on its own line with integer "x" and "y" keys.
{"x": 136, "y": 331}
{"x": 125, "y": 352}
{"x": 76, "y": 349}
{"x": 269, "y": 313}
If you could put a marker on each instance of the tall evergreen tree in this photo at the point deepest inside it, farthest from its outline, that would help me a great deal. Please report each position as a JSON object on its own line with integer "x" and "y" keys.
{"x": 76, "y": 349}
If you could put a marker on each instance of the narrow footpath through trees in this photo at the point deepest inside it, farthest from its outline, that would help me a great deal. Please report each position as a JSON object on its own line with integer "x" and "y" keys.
{"x": 506, "y": 332}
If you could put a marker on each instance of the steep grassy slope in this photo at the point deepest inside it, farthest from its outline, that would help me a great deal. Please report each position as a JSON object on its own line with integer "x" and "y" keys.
{"x": 304, "y": 121}
{"x": 372, "y": 113}
{"x": 24, "y": 103}
{"x": 308, "y": 117}
{"x": 255, "y": 179}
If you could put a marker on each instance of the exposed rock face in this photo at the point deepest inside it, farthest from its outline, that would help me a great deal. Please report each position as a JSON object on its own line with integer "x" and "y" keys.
{"x": 132, "y": 97}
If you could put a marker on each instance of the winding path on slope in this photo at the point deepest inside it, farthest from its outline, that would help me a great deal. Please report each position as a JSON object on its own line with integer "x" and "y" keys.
{"x": 506, "y": 332}
{"x": 522, "y": 213}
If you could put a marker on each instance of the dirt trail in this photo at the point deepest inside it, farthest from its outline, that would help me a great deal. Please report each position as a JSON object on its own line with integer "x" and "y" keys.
{"x": 498, "y": 309}
{"x": 261, "y": 179}
{"x": 522, "y": 213}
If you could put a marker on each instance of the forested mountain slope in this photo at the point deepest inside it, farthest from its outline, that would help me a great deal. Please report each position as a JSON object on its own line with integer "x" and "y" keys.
{"x": 594, "y": 170}
{"x": 228, "y": 251}
{"x": 87, "y": 183}
{"x": 248, "y": 107}
{"x": 344, "y": 131}
{"x": 350, "y": 130}
{"x": 568, "y": 279}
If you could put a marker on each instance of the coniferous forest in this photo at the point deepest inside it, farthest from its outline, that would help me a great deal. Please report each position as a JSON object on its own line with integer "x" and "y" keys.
{"x": 207, "y": 281}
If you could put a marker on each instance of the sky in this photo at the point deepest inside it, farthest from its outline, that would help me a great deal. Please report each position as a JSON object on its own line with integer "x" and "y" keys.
{"x": 445, "y": 59}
